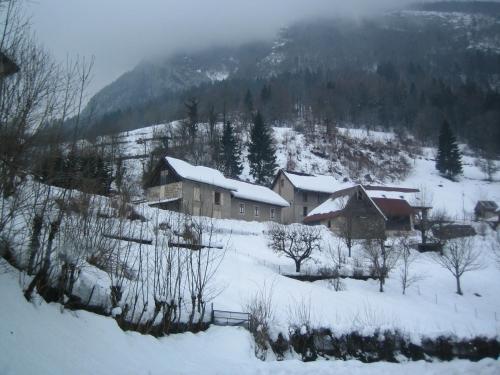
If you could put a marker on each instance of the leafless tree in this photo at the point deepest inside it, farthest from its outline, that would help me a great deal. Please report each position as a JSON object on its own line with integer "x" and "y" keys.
{"x": 423, "y": 199}
{"x": 338, "y": 259}
{"x": 346, "y": 225}
{"x": 294, "y": 241}
{"x": 261, "y": 309}
{"x": 488, "y": 165}
{"x": 459, "y": 257}
{"x": 406, "y": 275}
{"x": 382, "y": 258}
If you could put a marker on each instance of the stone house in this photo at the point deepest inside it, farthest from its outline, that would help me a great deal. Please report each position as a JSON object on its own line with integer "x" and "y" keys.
{"x": 253, "y": 202}
{"x": 200, "y": 191}
{"x": 486, "y": 210}
{"x": 304, "y": 192}
{"x": 367, "y": 211}
{"x": 179, "y": 186}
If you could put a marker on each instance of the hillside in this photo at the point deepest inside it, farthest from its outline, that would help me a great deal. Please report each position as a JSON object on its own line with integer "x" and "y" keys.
{"x": 408, "y": 69}
{"x": 325, "y": 201}
{"x": 114, "y": 244}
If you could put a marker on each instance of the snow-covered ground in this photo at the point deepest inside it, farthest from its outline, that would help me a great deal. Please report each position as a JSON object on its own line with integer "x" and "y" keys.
{"x": 38, "y": 338}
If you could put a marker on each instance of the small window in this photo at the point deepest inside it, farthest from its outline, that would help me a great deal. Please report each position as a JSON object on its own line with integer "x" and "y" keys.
{"x": 217, "y": 198}
{"x": 271, "y": 213}
{"x": 256, "y": 210}
{"x": 242, "y": 208}
{"x": 197, "y": 194}
{"x": 304, "y": 211}
{"x": 304, "y": 196}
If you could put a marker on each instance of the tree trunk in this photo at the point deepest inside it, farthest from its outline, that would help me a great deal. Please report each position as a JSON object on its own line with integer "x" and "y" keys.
{"x": 459, "y": 289}
{"x": 297, "y": 266}
{"x": 381, "y": 283}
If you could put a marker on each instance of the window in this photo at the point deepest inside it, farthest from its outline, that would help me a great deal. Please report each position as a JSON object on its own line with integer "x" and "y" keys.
{"x": 242, "y": 208}
{"x": 197, "y": 194}
{"x": 329, "y": 223}
{"x": 304, "y": 196}
{"x": 271, "y": 213}
{"x": 217, "y": 198}
{"x": 304, "y": 211}
{"x": 256, "y": 210}
{"x": 163, "y": 177}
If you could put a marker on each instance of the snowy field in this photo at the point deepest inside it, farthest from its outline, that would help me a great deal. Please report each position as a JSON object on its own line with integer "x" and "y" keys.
{"x": 40, "y": 339}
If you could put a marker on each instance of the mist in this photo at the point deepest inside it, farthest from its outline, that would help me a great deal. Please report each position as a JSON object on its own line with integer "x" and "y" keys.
{"x": 121, "y": 33}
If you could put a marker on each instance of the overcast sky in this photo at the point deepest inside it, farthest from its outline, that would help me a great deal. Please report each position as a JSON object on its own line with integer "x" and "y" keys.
{"x": 119, "y": 33}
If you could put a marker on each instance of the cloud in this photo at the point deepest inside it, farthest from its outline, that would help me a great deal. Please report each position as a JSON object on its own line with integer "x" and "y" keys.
{"x": 120, "y": 33}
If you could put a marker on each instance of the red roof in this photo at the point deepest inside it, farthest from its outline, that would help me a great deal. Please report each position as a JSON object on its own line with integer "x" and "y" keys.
{"x": 393, "y": 207}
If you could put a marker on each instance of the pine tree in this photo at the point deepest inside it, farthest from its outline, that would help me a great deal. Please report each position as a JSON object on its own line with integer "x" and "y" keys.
{"x": 261, "y": 152}
{"x": 249, "y": 101}
{"x": 449, "y": 158}
{"x": 231, "y": 153}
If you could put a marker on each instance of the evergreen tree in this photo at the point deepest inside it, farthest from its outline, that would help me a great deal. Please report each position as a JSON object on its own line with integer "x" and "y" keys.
{"x": 231, "y": 153}
{"x": 449, "y": 158}
{"x": 261, "y": 152}
{"x": 249, "y": 101}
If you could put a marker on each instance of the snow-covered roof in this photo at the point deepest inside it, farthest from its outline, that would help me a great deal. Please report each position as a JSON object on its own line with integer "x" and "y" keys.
{"x": 239, "y": 189}
{"x": 257, "y": 193}
{"x": 320, "y": 184}
{"x": 337, "y": 203}
{"x": 200, "y": 174}
{"x": 330, "y": 205}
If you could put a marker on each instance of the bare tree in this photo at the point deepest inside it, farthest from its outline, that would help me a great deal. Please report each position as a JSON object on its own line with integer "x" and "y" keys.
{"x": 423, "y": 199}
{"x": 294, "y": 241}
{"x": 406, "y": 276}
{"x": 382, "y": 259}
{"x": 459, "y": 257}
{"x": 261, "y": 309}
{"x": 488, "y": 165}
{"x": 338, "y": 259}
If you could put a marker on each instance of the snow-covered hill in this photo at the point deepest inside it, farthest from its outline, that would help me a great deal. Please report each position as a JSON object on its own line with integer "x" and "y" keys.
{"x": 80, "y": 342}
{"x": 457, "y": 198}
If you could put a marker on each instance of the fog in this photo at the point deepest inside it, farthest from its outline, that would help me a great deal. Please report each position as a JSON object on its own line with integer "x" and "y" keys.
{"x": 120, "y": 33}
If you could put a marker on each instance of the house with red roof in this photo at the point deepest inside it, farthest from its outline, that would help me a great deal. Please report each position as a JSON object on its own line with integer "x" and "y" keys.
{"x": 366, "y": 211}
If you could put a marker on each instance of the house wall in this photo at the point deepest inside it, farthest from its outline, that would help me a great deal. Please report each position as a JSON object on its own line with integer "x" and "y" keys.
{"x": 285, "y": 189}
{"x": 295, "y": 197}
{"x": 364, "y": 220}
{"x": 157, "y": 193}
{"x": 205, "y": 205}
{"x": 314, "y": 199}
{"x": 484, "y": 214}
{"x": 249, "y": 214}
